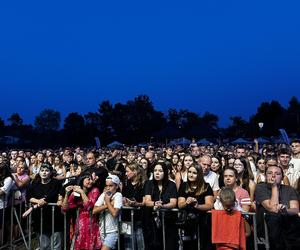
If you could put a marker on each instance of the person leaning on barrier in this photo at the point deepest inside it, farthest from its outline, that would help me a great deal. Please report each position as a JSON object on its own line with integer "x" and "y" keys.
{"x": 281, "y": 206}
{"x": 44, "y": 189}
{"x": 133, "y": 193}
{"x": 196, "y": 197}
{"x": 160, "y": 193}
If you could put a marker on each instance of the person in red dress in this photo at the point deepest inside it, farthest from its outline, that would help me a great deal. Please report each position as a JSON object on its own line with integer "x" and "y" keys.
{"x": 84, "y": 196}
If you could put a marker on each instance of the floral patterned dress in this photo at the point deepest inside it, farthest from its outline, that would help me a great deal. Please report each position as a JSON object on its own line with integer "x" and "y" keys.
{"x": 87, "y": 236}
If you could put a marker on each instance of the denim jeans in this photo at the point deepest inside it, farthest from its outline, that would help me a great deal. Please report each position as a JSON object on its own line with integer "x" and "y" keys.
{"x": 138, "y": 239}
{"x": 45, "y": 241}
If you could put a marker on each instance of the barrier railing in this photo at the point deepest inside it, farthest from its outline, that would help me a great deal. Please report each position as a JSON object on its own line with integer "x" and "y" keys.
{"x": 10, "y": 206}
{"x": 28, "y": 245}
{"x": 52, "y": 205}
{"x": 132, "y": 225}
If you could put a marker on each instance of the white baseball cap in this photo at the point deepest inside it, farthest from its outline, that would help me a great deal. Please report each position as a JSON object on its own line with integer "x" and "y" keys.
{"x": 115, "y": 179}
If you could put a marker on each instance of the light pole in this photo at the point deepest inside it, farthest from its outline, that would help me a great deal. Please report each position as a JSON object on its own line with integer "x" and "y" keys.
{"x": 260, "y": 125}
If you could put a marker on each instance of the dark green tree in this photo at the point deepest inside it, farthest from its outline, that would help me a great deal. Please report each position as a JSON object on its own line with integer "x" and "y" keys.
{"x": 15, "y": 120}
{"x": 293, "y": 121}
{"x": 74, "y": 123}
{"x": 273, "y": 115}
{"x": 47, "y": 120}
{"x": 238, "y": 128}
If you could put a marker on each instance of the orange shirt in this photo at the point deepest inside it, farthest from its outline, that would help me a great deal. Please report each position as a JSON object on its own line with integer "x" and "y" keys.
{"x": 228, "y": 230}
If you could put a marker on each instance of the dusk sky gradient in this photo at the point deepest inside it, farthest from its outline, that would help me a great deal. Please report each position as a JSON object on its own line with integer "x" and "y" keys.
{"x": 225, "y": 57}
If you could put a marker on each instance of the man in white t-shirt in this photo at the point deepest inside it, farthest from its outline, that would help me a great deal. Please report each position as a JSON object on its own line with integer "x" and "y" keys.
{"x": 209, "y": 176}
{"x": 109, "y": 205}
{"x": 295, "y": 161}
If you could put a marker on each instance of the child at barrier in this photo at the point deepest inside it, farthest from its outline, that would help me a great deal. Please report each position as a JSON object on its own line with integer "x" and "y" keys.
{"x": 109, "y": 205}
{"x": 228, "y": 225}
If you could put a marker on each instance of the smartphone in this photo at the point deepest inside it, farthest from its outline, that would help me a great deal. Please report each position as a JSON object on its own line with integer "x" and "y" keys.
{"x": 76, "y": 194}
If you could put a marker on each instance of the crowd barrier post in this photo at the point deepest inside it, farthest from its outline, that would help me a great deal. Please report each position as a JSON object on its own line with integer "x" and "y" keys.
{"x": 29, "y": 229}
{"x": 162, "y": 211}
{"x": 11, "y": 220}
{"x": 255, "y": 231}
{"x": 20, "y": 227}
{"x": 65, "y": 231}
{"x": 132, "y": 229}
{"x": 52, "y": 225}
{"x": 132, "y": 223}
{"x": 3, "y": 219}
{"x": 198, "y": 236}
{"x": 163, "y": 228}
{"x": 267, "y": 245}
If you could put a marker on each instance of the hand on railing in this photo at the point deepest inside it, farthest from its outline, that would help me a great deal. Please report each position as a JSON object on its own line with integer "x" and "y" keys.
{"x": 191, "y": 201}
{"x": 41, "y": 202}
{"x": 157, "y": 205}
{"x": 130, "y": 202}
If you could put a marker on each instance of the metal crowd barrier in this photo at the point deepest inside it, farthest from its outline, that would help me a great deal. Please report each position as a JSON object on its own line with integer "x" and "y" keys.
{"x": 9, "y": 204}
{"x": 131, "y": 223}
{"x": 132, "y": 210}
{"x": 163, "y": 211}
{"x": 53, "y": 205}
{"x": 254, "y": 227}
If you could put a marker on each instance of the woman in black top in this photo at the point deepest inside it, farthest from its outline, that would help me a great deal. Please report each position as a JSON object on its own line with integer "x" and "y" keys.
{"x": 160, "y": 193}
{"x": 195, "y": 196}
{"x": 133, "y": 193}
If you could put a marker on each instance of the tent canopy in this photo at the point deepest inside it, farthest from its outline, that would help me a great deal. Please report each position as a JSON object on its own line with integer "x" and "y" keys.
{"x": 114, "y": 144}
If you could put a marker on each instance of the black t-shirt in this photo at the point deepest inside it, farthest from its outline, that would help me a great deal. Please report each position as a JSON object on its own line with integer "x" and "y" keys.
{"x": 168, "y": 192}
{"x": 50, "y": 192}
{"x": 200, "y": 198}
{"x": 131, "y": 192}
{"x": 264, "y": 192}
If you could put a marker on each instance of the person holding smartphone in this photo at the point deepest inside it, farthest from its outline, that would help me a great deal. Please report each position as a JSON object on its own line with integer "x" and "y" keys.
{"x": 109, "y": 205}
{"x": 83, "y": 197}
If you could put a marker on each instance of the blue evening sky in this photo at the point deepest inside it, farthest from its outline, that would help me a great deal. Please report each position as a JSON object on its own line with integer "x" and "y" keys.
{"x": 225, "y": 57}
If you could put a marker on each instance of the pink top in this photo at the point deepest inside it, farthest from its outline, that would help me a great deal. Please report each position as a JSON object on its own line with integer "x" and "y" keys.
{"x": 242, "y": 196}
{"x": 21, "y": 195}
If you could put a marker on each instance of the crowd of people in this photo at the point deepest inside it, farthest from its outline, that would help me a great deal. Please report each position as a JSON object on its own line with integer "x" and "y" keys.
{"x": 92, "y": 186}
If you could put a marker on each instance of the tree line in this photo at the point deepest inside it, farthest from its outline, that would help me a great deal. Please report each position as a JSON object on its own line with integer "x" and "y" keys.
{"x": 138, "y": 121}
